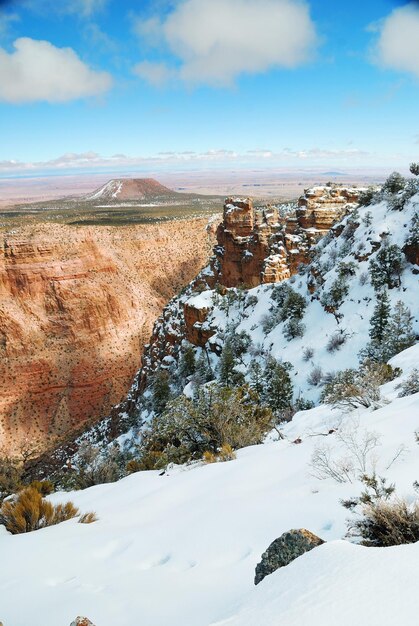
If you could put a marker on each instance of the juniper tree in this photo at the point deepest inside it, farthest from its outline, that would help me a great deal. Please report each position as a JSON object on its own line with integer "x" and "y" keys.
{"x": 414, "y": 169}
{"x": 394, "y": 183}
{"x": 387, "y": 266}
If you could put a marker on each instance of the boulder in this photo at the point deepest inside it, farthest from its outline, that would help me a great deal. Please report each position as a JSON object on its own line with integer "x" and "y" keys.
{"x": 285, "y": 549}
{"x": 82, "y": 621}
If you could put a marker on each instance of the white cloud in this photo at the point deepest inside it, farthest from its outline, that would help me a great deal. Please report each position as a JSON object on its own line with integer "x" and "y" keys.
{"x": 94, "y": 161}
{"x": 214, "y": 41}
{"x": 398, "y": 41}
{"x": 154, "y": 73}
{"x": 38, "y": 71}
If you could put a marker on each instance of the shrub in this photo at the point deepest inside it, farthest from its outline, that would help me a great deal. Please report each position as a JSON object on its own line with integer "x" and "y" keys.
{"x": 366, "y": 197}
{"x": 45, "y": 487}
{"x": 336, "y": 341}
{"x": 315, "y": 377}
{"x": 88, "y": 518}
{"x": 216, "y": 417}
{"x": 10, "y": 476}
{"x": 293, "y": 329}
{"x": 387, "y": 523}
{"x": 356, "y": 447}
{"x": 94, "y": 466}
{"x": 410, "y": 385}
{"x": 414, "y": 169}
{"x": 294, "y": 306}
{"x": 29, "y": 511}
{"x": 333, "y": 299}
{"x": 308, "y": 354}
{"x": 270, "y": 320}
{"x": 394, "y": 183}
{"x": 351, "y": 389}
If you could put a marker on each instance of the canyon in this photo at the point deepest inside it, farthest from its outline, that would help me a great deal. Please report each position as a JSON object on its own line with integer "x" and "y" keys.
{"x": 76, "y": 307}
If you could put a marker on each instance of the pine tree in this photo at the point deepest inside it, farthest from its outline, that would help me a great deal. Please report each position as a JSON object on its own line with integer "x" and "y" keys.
{"x": 380, "y": 318}
{"x": 161, "y": 392}
{"x": 187, "y": 365}
{"x": 414, "y": 169}
{"x": 256, "y": 377}
{"x": 278, "y": 390}
{"x": 203, "y": 373}
{"x": 226, "y": 365}
{"x": 399, "y": 334}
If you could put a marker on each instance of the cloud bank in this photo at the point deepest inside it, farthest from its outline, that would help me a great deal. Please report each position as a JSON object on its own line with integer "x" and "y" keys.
{"x": 215, "y": 41}
{"x": 94, "y": 161}
{"x": 38, "y": 71}
{"x": 397, "y": 47}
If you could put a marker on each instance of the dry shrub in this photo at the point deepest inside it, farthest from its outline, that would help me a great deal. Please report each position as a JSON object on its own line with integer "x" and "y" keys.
{"x": 29, "y": 511}
{"x": 88, "y": 518}
{"x": 387, "y": 523}
{"x": 225, "y": 453}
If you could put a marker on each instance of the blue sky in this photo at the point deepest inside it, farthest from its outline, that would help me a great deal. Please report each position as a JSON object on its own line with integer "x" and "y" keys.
{"x": 120, "y": 84}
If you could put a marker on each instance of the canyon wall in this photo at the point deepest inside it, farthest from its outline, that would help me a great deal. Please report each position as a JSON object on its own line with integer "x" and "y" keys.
{"x": 76, "y": 307}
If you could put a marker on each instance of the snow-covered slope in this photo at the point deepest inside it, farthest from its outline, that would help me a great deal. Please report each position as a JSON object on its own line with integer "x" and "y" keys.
{"x": 345, "y": 255}
{"x": 181, "y": 548}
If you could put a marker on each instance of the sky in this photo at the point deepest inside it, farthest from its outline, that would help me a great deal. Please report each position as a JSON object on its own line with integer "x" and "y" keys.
{"x": 88, "y": 85}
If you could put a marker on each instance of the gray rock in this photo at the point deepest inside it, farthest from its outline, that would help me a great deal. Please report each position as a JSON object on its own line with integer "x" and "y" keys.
{"x": 82, "y": 621}
{"x": 285, "y": 549}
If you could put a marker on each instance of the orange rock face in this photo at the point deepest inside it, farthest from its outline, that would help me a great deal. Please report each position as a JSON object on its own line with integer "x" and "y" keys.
{"x": 260, "y": 246}
{"x": 76, "y": 307}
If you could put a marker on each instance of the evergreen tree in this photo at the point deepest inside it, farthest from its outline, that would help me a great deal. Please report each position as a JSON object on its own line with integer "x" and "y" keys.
{"x": 387, "y": 266}
{"x": 161, "y": 392}
{"x": 278, "y": 389}
{"x": 203, "y": 373}
{"x": 227, "y": 365}
{"x": 414, "y": 169}
{"x": 187, "y": 365}
{"x": 394, "y": 183}
{"x": 256, "y": 377}
{"x": 413, "y": 238}
{"x": 399, "y": 334}
{"x": 380, "y": 318}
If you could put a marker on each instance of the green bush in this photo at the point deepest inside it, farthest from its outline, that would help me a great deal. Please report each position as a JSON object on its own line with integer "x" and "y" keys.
{"x": 218, "y": 416}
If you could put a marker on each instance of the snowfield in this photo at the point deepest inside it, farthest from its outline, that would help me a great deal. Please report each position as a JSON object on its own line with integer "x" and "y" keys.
{"x": 181, "y": 548}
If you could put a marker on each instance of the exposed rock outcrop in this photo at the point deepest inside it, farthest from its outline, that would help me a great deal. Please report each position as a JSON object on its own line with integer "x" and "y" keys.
{"x": 284, "y": 550}
{"x": 82, "y": 621}
{"x": 259, "y": 245}
{"x": 254, "y": 246}
{"x": 76, "y": 307}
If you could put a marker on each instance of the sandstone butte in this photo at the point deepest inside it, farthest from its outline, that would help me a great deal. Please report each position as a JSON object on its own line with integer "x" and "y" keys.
{"x": 76, "y": 307}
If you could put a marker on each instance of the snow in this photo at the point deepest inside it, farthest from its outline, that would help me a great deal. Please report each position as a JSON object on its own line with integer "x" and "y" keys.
{"x": 181, "y": 548}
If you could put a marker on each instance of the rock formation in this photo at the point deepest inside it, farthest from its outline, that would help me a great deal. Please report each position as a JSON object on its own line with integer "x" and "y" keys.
{"x": 284, "y": 550}
{"x": 254, "y": 246}
{"x": 76, "y": 307}
{"x": 82, "y": 621}
{"x": 259, "y": 245}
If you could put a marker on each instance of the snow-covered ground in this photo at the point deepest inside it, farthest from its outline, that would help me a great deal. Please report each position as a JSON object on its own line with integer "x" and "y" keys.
{"x": 181, "y": 548}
